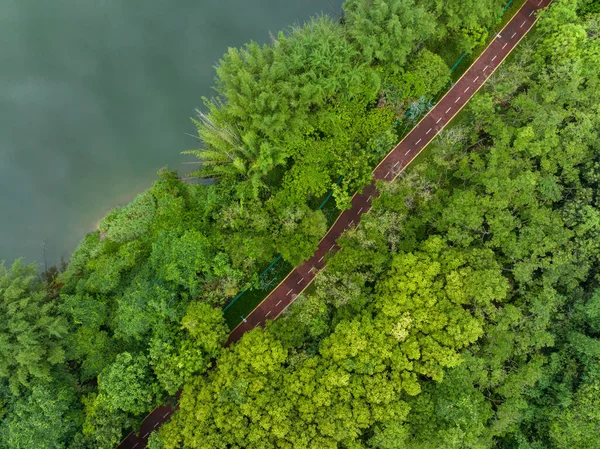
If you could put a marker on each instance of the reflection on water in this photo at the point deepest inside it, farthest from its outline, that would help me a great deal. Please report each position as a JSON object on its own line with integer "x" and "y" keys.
{"x": 95, "y": 97}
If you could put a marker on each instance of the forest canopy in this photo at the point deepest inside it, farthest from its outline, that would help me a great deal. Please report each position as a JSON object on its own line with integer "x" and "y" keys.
{"x": 464, "y": 311}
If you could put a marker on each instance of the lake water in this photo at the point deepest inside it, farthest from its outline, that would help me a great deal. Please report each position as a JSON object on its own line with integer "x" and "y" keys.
{"x": 95, "y": 97}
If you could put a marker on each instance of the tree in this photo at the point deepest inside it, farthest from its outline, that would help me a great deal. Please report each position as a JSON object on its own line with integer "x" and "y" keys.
{"x": 131, "y": 221}
{"x": 271, "y": 96}
{"x": 452, "y": 413}
{"x": 426, "y": 76}
{"x": 183, "y": 260}
{"x": 128, "y": 385}
{"x": 32, "y": 330}
{"x": 104, "y": 426}
{"x": 47, "y": 417}
{"x": 179, "y": 355}
{"x": 386, "y": 32}
{"x": 89, "y": 342}
{"x": 578, "y": 425}
{"x": 356, "y": 383}
{"x": 464, "y": 21}
{"x": 218, "y": 410}
{"x": 300, "y": 234}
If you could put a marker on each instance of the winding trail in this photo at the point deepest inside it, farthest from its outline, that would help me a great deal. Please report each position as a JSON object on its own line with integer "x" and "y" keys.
{"x": 388, "y": 169}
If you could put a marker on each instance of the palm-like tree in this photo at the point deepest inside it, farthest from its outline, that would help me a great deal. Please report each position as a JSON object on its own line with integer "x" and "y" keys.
{"x": 229, "y": 155}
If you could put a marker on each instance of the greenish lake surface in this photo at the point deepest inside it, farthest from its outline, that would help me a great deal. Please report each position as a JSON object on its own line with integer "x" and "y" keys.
{"x": 96, "y": 96}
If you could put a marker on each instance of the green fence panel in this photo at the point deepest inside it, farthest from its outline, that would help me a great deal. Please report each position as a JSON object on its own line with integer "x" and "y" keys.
{"x": 330, "y": 194}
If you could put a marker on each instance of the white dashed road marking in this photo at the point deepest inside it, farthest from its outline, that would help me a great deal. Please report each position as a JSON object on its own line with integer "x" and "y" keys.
{"x": 360, "y": 210}
{"x": 485, "y": 68}
{"x": 278, "y": 303}
{"x": 467, "y": 89}
{"x": 146, "y": 435}
{"x": 331, "y": 247}
{"x": 291, "y": 290}
{"x": 396, "y": 164}
{"x": 268, "y": 313}
{"x": 514, "y": 34}
{"x": 156, "y": 424}
{"x": 301, "y": 279}
{"x": 166, "y": 414}
{"x": 475, "y": 80}
{"x": 370, "y": 196}
{"x": 438, "y": 120}
{"x": 386, "y": 175}
{"x": 531, "y": 13}
{"x": 494, "y": 58}
{"x": 524, "y": 22}
{"x": 448, "y": 110}
{"x": 428, "y": 131}
{"x": 418, "y": 141}
{"x": 504, "y": 46}
{"x": 457, "y": 100}
{"x": 406, "y": 152}
{"x": 256, "y": 325}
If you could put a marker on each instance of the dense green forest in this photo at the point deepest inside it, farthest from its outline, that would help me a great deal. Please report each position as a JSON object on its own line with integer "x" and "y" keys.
{"x": 464, "y": 311}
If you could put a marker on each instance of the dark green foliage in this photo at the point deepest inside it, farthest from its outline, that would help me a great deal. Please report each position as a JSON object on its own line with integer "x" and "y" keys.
{"x": 129, "y": 222}
{"x": 300, "y": 234}
{"x": 462, "y": 312}
{"x": 385, "y": 32}
{"x": 90, "y": 343}
{"x": 451, "y": 414}
{"x": 427, "y": 75}
{"x": 32, "y": 330}
{"x": 465, "y": 305}
{"x": 363, "y": 372}
{"x": 465, "y": 21}
{"x": 177, "y": 355}
{"x": 103, "y": 426}
{"x": 578, "y": 424}
{"x": 47, "y": 418}
{"x": 272, "y": 96}
{"x": 183, "y": 260}
{"x": 127, "y": 384}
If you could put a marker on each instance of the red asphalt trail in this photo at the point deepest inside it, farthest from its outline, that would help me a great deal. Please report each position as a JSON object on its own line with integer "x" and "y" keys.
{"x": 389, "y": 168}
